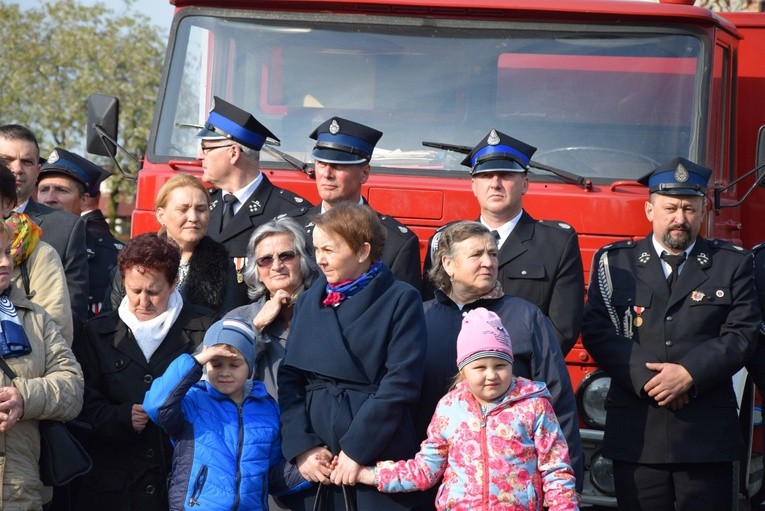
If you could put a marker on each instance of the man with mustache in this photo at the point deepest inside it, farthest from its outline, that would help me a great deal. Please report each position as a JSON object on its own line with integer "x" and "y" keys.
{"x": 671, "y": 318}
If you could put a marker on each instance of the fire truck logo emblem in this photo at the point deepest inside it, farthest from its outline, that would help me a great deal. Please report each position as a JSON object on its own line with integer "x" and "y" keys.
{"x": 493, "y": 138}
{"x": 681, "y": 175}
{"x": 697, "y": 296}
{"x": 53, "y": 158}
{"x": 644, "y": 258}
{"x": 254, "y": 207}
{"x": 334, "y": 128}
{"x": 703, "y": 259}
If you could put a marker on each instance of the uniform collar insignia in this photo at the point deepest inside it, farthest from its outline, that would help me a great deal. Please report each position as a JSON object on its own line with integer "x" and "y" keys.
{"x": 254, "y": 207}
{"x": 703, "y": 259}
{"x": 644, "y": 258}
{"x": 213, "y": 204}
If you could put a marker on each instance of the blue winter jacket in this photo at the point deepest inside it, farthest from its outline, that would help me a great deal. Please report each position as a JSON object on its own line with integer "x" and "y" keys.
{"x": 226, "y": 456}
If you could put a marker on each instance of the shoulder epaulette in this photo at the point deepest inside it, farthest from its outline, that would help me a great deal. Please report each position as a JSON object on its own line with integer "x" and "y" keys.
{"x": 394, "y": 225}
{"x": 728, "y": 246}
{"x": 619, "y": 244}
{"x": 292, "y": 197}
{"x": 556, "y": 223}
{"x": 758, "y": 247}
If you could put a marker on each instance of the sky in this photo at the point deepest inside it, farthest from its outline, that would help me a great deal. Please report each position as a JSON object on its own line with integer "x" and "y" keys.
{"x": 160, "y": 12}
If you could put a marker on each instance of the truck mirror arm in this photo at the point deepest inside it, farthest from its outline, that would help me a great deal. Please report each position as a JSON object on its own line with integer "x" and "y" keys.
{"x": 568, "y": 177}
{"x": 105, "y": 137}
{"x": 718, "y": 190}
{"x": 297, "y": 164}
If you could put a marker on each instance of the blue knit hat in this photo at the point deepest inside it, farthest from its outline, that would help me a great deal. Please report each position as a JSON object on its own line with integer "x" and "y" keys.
{"x": 235, "y": 332}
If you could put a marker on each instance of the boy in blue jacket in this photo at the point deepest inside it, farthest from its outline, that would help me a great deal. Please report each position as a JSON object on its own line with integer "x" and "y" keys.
{"x": 225, "y": 429}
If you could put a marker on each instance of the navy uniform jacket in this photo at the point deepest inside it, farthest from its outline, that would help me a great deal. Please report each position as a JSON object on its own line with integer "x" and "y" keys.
{"x": 536, "y": 357}
{"x": 708, "y": 325}
{"x": 756, "y": 365}
{"x": 540, "y": 262}
{"x": 401, "y": 252}
{"x": 65, "y": 232}
{"x": 103, "y": 249}
{"x": 350, "y": 376}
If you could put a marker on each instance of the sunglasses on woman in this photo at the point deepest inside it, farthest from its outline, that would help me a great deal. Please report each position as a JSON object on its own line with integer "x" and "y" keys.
{"x": 267, "y": 261}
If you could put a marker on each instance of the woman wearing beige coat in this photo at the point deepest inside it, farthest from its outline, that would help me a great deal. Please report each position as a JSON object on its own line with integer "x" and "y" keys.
{"x": 49, "y": 385}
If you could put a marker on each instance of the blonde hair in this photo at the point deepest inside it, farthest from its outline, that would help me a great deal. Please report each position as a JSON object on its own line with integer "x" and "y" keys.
{"x": 175, "y": 182}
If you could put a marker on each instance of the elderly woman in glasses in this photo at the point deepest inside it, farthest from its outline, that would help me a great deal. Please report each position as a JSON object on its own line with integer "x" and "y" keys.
{"x": 278, "y": 270}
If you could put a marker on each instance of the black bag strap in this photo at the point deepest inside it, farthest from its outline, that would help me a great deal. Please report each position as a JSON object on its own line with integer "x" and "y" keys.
{"x": 349, "y": 496}
{"x": 7, "y": 369}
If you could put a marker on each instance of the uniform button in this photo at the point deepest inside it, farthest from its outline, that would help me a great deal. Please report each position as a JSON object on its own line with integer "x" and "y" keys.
{"x": 149, "y": 453}
{"x": 668, "y": 344}
{"x": 670, "y": 318}
{"x": 150, "y": 489}
{"x": 118, "y": 364}
{"x": 148, "y": 378}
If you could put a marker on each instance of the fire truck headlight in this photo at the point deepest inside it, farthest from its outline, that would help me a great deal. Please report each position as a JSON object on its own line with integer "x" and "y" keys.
{"x": 602, "y": 474}
{"x": 592, "y": 399}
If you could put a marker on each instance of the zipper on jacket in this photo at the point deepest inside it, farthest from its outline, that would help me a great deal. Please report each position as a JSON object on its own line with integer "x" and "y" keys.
{"x": 485, "y": 457}
{"x": 239, "y": 449}
{"x": 199, "y": 483}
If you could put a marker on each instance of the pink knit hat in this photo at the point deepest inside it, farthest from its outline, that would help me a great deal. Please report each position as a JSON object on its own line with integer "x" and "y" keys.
{"x": 482, "y": 335}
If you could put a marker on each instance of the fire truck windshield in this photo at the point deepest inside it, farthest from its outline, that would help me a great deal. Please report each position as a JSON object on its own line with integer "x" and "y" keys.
{"x": 603, "y": 104}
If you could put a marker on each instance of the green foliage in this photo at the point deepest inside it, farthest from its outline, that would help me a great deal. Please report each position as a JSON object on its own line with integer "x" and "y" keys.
{"x": 55, "y": 55}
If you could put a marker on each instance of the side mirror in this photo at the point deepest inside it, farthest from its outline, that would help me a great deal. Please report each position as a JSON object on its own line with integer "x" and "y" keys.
{"x": 103, "y": 118}
{"x": 759, "y": 161}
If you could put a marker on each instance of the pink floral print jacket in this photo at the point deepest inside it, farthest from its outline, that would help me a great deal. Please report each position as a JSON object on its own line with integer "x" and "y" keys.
{"x": 511, "y": 459}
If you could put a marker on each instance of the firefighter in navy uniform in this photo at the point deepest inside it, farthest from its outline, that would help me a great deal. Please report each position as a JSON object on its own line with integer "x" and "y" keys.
{"x": 243, "y": 197}
{"x": 538, "y": 261}
{"x": 671, "y": 318}
{"x": 342, "y": 153}
{"x": 66, "y": 172}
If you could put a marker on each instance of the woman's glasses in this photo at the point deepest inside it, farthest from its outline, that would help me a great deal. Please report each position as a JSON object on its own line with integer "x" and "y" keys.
{"x": 267, "y": 261}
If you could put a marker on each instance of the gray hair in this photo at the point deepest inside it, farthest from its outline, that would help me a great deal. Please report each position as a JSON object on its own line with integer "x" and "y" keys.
{"x": 251, "y": 156}
{"x": 283, "y": 225}
{"x": 446, "y": 239}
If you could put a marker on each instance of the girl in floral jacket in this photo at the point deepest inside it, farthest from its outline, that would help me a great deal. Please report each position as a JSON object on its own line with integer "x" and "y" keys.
{"x": 494, "y": 438}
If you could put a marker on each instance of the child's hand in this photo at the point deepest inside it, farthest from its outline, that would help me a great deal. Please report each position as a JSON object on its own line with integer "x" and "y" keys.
{"x": 367, "y": 476}
{"x": 212, "y": 352}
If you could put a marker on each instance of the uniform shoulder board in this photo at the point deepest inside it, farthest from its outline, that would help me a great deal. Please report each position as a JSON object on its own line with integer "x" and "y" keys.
{"x": 292, "y": 197}
{"x": 393, "y": 225}
{"x": 619, "y": 244}
{"x": 758, "y": 247}
{"x": 728, "y": 246}
{"x": 556, "y": 223}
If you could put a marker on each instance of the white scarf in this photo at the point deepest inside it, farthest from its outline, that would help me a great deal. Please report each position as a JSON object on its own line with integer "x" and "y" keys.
{"x": 149, "y": 334}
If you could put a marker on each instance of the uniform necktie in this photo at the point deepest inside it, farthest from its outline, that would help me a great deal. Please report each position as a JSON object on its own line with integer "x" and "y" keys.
{"x": 674, "y": 261}
{"x": 496, "y": 236}
{"x": 229, "y": 200}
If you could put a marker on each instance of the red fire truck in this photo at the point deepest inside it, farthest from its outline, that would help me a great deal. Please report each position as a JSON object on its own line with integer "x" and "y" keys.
{"x": 606, "y": 89}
